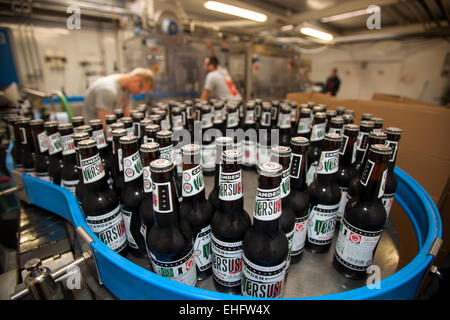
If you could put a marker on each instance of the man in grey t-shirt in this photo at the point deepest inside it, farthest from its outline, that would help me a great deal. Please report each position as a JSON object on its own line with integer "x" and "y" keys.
{"x": 218, "y": 83}
{"x": 113, "y": 91}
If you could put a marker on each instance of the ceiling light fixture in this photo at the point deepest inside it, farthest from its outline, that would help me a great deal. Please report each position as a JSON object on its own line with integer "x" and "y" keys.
{"x": 345, "y": 15}
{"x": 235, "y": 11}
{"x": 317, "y": 33}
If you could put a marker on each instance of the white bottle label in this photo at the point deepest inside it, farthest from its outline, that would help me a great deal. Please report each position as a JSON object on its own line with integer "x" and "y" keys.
{"x": 193, "y": 182}
{"x": 265, "y": 118}
{"x": 207, "y": 120}
{"x": 318, "y": 132}
{"x": 285, "y": 120}
{"x": 383, "y": 183}
{"x": 92, "y": 169}
{"x": 312, "y": 172}
{"x": 388, "y": 200}
{"x": 54, "y": 143}
{"x": 303, "y": 125}
{"x": 132, "y": 167}
{"x": 296, "y": 162}
{"x": 109, "y": 228}
{"x": 227, "y": 262}
{"x": 355, "y": 248}
{"x": 43, "y": 141}
{"x": 250, "y": 152}
{"x": 218, "y": 116}
{"x": 232, "y": 119}
{"x": 202, "y": 249}
{"x": 285, "y": 185}
{"x": 182, "y": 270}
{"x": 68, "y": 146}
{"x": 299, "y": 239}
{"x": 167, "y": 153}
{"x": 321, "y": 223}
{"x": 70, "y": 185}
{"x": 127, "y": 221}
{"x": 209, "y": 156}
{"x": 99, "y": 136}
{"x": 362, "y": 141}
{"x": 267, "y": 205}
{"x": 250, "y": 117}
{"x": 230, "y": 186}
{"x": 329, "y": 162}
{"x": 342, "y": 203}
{"x": 147, "y": 179}
{"x": 262, "y": 282}
{"x": 394, "y": 146}
{"x": 109, "y": 136}
{"x": 177, "y": 122}
{"x": 162, "y": 197}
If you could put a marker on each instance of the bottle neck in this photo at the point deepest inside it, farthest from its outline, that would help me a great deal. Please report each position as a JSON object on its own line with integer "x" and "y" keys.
{"x": 267, "y": 213}
{"x": 298, "y": 171}
{"x": 373, "y": 180}
{"x": 231, "y": 196}
{"x": 348, "y": 151}
{"x": 328, "y": 165}
{"x": 193, "y": 188}
{"x": 394, "y": 145}
{"x": 165, "y": 203}
{"x": 132, "y": 168}
{"x": 93, "y": 173}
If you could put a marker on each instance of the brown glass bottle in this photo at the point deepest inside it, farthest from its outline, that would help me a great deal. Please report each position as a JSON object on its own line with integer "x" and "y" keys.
{"x": 79, "y": 188}
{"x": 304, "y": 123}
{"x": 170, "y": 240}
{"x": 143, "y": 137}
{"x": 336, "y": 125}
{"x": 100, "y": 203}
{"x": 54, "y": 151}
{"x": 362, "y": 143}
{"x": 41, "y": 149}
{"x": 393, "y": 140}
{"x": 363, "y": 220}
{"x": 324, "y": 197}
{"x": 315, "y": 148}
{"x": 131, "y": 194}
{"x": 282, "y": 155}
{"x": 128, "y": 123}
{"x": 118, "y": 112}
{"x": 105, "y": 153}
{"x": 118, "y": 180}
{"x": 109, "y": 120}
{"x": 330, "y": 115}
{"x": 69, "y": 173}
{"x": 77, "y": 121}
{"x": 222, "y": 144}
{"x": 167, "y": 151}
{"x": 265, "y": 247}
{"x": 195, "y": 209}
{"x": 149, "y": 152}
{"x": 378, "y": 123}
{"x": 229, "y": 224}
{"x": 26, "y": 141}
{"x": 340, "y": 110}
{"x": 285, "y": 124}
{"x": 151, "y": 130}
{"x": 298, "y": 199}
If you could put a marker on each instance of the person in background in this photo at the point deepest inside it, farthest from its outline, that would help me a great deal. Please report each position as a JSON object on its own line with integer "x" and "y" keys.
{"x": 218, "y": 83}
{"x": 333, "y": 83}
{"x": 113, "y": 91}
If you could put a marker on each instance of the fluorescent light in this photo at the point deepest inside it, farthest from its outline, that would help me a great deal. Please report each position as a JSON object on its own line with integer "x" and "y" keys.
{"x": 316, "y": 33}
{"x": 346, "y": 15}
{"x": 289, "y": 27}
{"x": 235, "y": 11}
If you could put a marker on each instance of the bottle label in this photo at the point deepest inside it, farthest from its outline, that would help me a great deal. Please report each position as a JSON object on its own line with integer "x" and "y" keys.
{"x": 218, "y": 116}
{"x": 263, "y": 154}
{"x": 130, "y": 130}
{"x": 226, "y": 262}
{"x": 321, "y": 223}
{"x": 342, "y": 203}
{"x": 355, "y": 248}
{"x": 344, "y": 143}
{"x": 285, "y": 185}
{"x": 250, "y": 117}
{"x": 127, "y": 221}
{"x": 54, "y": 143}
{"x": 230, "y": 186}
{"x": 285, "y": 120}
{"x": 109, "y": 136}
{"x": 383, "y": 183}
{"x": 394, "y": 146}
{"x": 92, "y": 169}
{"x": 182, "y": 270}
{"x": 362, "y": 141}
{"x": 202, "y": 249}
{"x": 193, "y": 182}
{"x": 209, "y": 156}
{"x": 43, "y": 141}
{"x": 178, "y": 160}
{"x": 23, "y": 136}
{"x": 329, "y": 162}
{"x": 167, "y": 153}
{"x": 119, "y": 159}
{"x": 250, "y": 152}
{"x": 388, "y": 200}
{"x": 290, "y": 239}
{"x": 367, "y": 172}
{"x": 132, "y": 167}
{"x": 68, "y": 146}
{"x": 336, "y": 130}
{"x": 293, "y": 115}
{"x": 162, "y": 197}
{"x": 99, "y": 136}
{"x": 137, "y": 129}
{"x": 207, "y": 120}
{"x": 312, "y": 172}
{"x": 147, "y": 179}
{"x": 298, "y": 241}
{"x": 262, "y": 282}
{"x": 296, "y": 162}
{"x": 318, "y": 132}
{"x": 265, "y": 118}
{"x": 70, "y": 185}
{"x": 177, "y": 122}
{"x": 268, "y": 204}
{"x": 303, "y": 125}
{"x": 232, "y": 119}
{"x": 109, "y": 228}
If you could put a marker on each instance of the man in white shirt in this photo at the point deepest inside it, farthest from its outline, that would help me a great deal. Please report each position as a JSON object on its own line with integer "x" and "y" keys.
{"x": 218, "y": 83}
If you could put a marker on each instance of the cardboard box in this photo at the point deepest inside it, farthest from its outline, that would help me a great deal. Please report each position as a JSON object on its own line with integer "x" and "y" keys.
{"x": 400, "y": 99}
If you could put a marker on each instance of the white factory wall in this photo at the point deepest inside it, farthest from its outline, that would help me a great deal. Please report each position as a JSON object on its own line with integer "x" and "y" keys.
{"x": 406, "y": 68}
